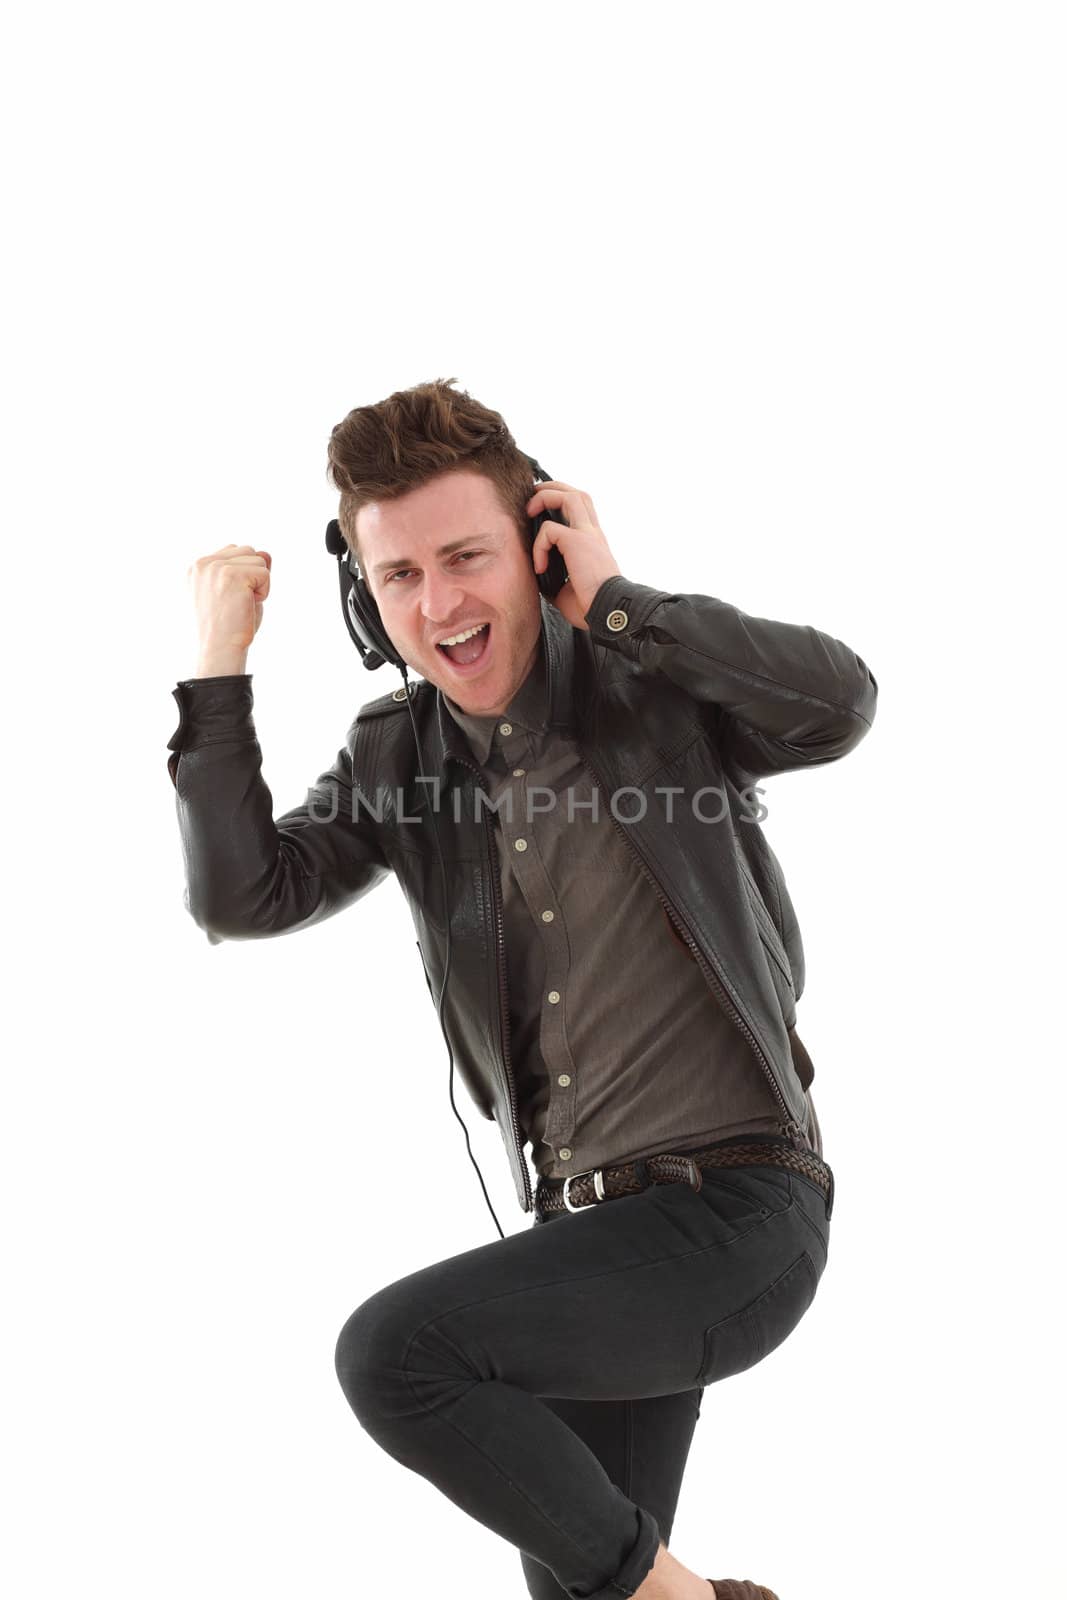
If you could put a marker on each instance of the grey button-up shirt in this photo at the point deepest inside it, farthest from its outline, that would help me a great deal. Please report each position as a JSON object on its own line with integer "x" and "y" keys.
{"x": 620, "y": 1049}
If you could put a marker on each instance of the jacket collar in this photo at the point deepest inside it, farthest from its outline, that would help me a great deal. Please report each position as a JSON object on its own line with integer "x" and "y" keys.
{"x": 545, "y": 699}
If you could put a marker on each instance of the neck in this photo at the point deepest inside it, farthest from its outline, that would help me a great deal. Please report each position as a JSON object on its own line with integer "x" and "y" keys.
{"x": 497, "y": 711}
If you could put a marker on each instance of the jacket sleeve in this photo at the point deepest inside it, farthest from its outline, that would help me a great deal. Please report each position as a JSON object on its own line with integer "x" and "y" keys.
{"x": 247, "y": 875}
{"x": 784, "y": 694}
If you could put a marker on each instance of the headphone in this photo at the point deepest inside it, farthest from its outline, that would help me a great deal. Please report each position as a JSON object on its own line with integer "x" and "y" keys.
{"x": 364, "y": 623}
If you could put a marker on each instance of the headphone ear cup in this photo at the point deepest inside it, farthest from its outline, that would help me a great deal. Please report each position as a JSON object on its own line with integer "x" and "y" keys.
{"x": 364, "y": 612}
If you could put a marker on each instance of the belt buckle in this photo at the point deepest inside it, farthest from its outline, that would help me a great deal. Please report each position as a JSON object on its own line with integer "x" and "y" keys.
{"x": 597, "y": 1175}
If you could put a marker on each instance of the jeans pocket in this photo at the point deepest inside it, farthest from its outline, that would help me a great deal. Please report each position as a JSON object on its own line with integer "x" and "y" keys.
{"x": 739, "y": 1340}
{"x": 811, "y": 1207}
{"x": 748, "y": 1191}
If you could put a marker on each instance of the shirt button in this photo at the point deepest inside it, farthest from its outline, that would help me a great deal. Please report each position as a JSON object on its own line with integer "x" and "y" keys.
{"x": 617, "y": 620}
{"x": 546, "y": 916}
{"x": 553, "y": 997}
{"x": 563, "y": 1079}
{"x": 519, "y": 772}
{"x": 505, "y": 727}
{"x": 520, "y": 844}
{"x": 565, "y": 1154}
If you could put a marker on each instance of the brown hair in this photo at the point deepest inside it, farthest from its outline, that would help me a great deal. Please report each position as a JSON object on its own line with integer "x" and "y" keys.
{"x": 381, "y": 451}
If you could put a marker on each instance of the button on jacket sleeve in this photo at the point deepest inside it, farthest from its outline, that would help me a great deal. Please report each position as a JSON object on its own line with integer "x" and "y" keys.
{"x": 784, "y": 695}
{"x": 247, "y": 875}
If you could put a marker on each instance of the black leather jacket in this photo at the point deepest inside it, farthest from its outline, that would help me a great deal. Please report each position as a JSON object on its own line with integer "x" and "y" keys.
{"x": 667, "y": 692}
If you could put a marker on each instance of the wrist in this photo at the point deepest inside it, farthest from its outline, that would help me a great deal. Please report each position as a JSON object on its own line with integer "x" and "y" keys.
{"x": 222, "y": 664}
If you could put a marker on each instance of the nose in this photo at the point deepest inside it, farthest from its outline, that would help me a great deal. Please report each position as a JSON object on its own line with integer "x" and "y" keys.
{"x": 442, "y": 597}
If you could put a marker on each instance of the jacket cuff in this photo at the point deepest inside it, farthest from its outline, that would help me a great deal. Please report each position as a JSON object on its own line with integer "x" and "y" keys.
{"x": 212, "y": 709}
{"x": 621, "y": 607}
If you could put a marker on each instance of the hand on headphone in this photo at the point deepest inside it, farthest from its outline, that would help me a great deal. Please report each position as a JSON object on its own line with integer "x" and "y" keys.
{"x": 581, "y": 542}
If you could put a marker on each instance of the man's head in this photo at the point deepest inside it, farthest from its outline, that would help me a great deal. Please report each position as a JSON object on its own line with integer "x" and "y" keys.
{"x": 433, "y": 497}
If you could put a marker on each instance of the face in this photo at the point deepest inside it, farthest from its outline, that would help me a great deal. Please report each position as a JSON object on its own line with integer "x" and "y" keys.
{"x": 441, "y": 560}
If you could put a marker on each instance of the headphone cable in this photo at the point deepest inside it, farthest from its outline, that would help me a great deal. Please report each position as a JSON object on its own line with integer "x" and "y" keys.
{"x": 448, "y": 952}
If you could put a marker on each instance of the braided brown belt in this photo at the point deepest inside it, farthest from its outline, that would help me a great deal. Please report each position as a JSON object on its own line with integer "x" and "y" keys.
{"x": 631, "y": 1177}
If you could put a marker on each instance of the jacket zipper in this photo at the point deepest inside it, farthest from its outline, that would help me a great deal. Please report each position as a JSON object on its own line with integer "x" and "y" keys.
{"x": 502, "y": 992}
{"x": 789, "y": 1127}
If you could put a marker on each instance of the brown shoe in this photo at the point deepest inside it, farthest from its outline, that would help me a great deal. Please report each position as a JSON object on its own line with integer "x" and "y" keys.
{"x": 740, "y": 1589}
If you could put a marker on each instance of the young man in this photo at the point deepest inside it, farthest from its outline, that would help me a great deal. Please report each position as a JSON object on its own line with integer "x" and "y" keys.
{"x": 625, "y": 966}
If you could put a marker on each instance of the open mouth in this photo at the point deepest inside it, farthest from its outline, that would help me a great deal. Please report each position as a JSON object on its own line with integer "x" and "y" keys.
{"x": 468, "y": 652}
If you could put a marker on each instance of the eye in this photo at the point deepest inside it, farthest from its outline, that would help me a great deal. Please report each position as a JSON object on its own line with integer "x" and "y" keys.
{"x": 463, "y": 555}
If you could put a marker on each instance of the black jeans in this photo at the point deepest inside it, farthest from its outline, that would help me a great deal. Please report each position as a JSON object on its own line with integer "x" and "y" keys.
{"x": 549, "y": 1383}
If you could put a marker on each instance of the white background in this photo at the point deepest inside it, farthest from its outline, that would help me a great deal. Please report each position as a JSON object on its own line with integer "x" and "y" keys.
{"x": 780, "y": 286}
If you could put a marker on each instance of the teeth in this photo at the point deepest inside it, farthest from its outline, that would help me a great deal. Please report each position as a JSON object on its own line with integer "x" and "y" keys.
{"x": 457, "y": 637}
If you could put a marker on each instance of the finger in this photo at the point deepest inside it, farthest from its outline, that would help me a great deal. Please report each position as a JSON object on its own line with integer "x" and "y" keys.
{"x": 551, "y": 495}
{"x": 241, "y": 561}
{"x": 542, "y": 546}
{"x": 229, "y": 552}
{"x": 550, "y": 534}
{"x": 554, "y": 483}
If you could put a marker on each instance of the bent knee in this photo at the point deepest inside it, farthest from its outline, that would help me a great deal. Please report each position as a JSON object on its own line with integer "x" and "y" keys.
{"x": 369, "y": 1347}
{"x": 392, "y": 1357}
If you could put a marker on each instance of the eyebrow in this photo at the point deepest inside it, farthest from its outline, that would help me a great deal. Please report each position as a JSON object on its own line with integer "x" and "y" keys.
{"x": 442, "y": 550}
